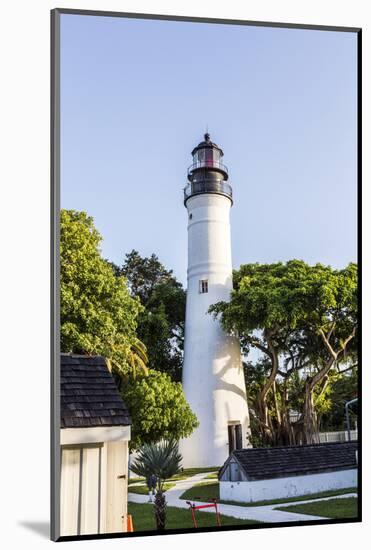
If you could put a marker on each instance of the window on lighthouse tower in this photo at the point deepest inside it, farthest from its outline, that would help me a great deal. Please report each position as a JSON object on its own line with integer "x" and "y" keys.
{"x": 204, "y": 286}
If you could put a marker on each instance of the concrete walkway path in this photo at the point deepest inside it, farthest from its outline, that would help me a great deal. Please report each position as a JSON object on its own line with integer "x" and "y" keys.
{"x": 266, "y": 514}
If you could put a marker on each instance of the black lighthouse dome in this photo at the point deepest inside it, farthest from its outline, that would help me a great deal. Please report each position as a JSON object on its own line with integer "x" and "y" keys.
{"x": 207, "y": 173}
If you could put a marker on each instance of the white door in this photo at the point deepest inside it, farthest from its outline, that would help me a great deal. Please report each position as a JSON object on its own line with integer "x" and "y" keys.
{"x": 81, "y": 490}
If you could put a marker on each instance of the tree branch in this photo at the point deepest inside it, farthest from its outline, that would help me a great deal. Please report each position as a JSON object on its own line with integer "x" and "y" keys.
{"x": 260, "y": 346}
{"x": 331, "y": 330}
{"x": 348, "y": 368}
{"x": 347, "y": 340}
{"x": 327, "y": 344}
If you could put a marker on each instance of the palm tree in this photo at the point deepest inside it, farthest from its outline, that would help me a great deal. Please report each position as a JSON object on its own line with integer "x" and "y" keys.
{"x": 164, "y": 461}
{"x": 136, "y": 357}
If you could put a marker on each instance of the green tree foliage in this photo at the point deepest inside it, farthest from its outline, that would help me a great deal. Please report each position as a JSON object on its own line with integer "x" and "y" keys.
{"x": 98, "y": 315}
{"x": 161, "y": 322}
{"x": 342, "y": 388}
{"x": 144, "y": 274}
{"x": 158, "y": 409}
{"x": 303, "y": 319}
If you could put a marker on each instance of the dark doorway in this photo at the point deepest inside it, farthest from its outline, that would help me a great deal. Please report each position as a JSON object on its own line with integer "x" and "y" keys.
{"x": 234, "y": 437}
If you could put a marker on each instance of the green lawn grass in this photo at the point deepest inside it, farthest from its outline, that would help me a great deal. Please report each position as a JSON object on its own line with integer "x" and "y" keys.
{"x": 202, "y": 492}
{"x": 303, "y": 497}
{"x": 292, "y": 499}
{"x": 336, "y": 508}
{"x": 184, "y": 474}
{"x": 205, "y": 491}
{"x": 189, "y": 472}
{"x": 213, "y": 475}
{"x": 143, "y": 489}
{"x": 135, "y": 480}
{"x": 177, "y": 518}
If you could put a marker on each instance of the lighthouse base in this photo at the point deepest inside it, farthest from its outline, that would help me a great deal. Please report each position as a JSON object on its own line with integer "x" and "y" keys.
{"x": 198, "y": 453}
{"x": 218, "y": 399}
{"x": 214, "y": 386}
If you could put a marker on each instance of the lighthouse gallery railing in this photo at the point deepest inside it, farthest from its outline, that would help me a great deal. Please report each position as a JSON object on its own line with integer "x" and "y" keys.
{"x": 208, "y": 163}
{"x": 205, "y": 186}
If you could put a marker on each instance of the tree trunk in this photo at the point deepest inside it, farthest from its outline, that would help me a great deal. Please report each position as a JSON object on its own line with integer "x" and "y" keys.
{"x": 288, "y": 434}
{"x": 262, "y": 407}
{"x": 276, "y": 407}
{"x": 310, "y": 423}
{"x": 160, "y": 510}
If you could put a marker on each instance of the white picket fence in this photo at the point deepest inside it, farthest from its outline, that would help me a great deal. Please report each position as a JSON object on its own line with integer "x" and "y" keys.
{"x": 332, "y": 437}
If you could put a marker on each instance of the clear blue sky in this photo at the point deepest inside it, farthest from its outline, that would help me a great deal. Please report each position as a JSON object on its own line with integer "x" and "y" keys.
{"x": 136, "y": 98}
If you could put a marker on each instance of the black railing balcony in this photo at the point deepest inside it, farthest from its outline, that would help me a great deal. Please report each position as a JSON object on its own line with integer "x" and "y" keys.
{"x": 207, "y": 164}
{"x": 208, "y": 186}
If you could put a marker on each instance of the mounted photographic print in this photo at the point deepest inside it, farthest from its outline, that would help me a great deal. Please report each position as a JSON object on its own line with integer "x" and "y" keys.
{"x": 205, "y": 370}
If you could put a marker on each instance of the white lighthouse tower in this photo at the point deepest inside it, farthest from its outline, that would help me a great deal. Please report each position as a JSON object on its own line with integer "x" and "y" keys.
{"x": 213, "y": 379}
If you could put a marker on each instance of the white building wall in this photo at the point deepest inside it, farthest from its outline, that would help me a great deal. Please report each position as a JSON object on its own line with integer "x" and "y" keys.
{"x": 267, "y": 489}
{"x": 90, "y": 490}
{"x": 330, "y": 437}
{"x": 94, "y": 481}
{"x": 213, "y": 379}
{"x": 70, "y": 479}
{"x": 116, "y": 486}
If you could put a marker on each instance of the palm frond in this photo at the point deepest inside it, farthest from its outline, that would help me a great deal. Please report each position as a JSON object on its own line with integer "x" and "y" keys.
{"x": 161, "y": 459}
{"x": 136, "y": 358}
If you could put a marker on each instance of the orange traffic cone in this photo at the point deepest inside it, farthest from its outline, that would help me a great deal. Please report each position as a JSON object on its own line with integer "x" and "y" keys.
{"x": 130, "y": 527}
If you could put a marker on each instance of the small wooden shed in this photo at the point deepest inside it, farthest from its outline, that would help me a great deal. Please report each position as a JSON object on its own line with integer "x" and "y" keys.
{"x": 94, "y": 438}
{"x": 250, "y": 475}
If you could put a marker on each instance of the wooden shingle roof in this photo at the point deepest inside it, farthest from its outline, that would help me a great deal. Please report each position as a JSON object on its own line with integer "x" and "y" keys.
{"x": 273, "y": 462}
{"x": 89, "y": 396}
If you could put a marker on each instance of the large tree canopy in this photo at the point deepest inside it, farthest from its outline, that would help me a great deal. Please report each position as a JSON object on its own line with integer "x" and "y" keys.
{"x": 158, "y": 408}
{"x": 300, "y": 317}
{"x": 161, "y": 322}
{"x": 98, "y": 314}
{"x": 145, "y": 274}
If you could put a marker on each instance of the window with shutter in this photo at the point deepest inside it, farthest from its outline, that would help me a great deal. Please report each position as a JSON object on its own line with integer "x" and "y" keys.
{"x": 204, "y": 286}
